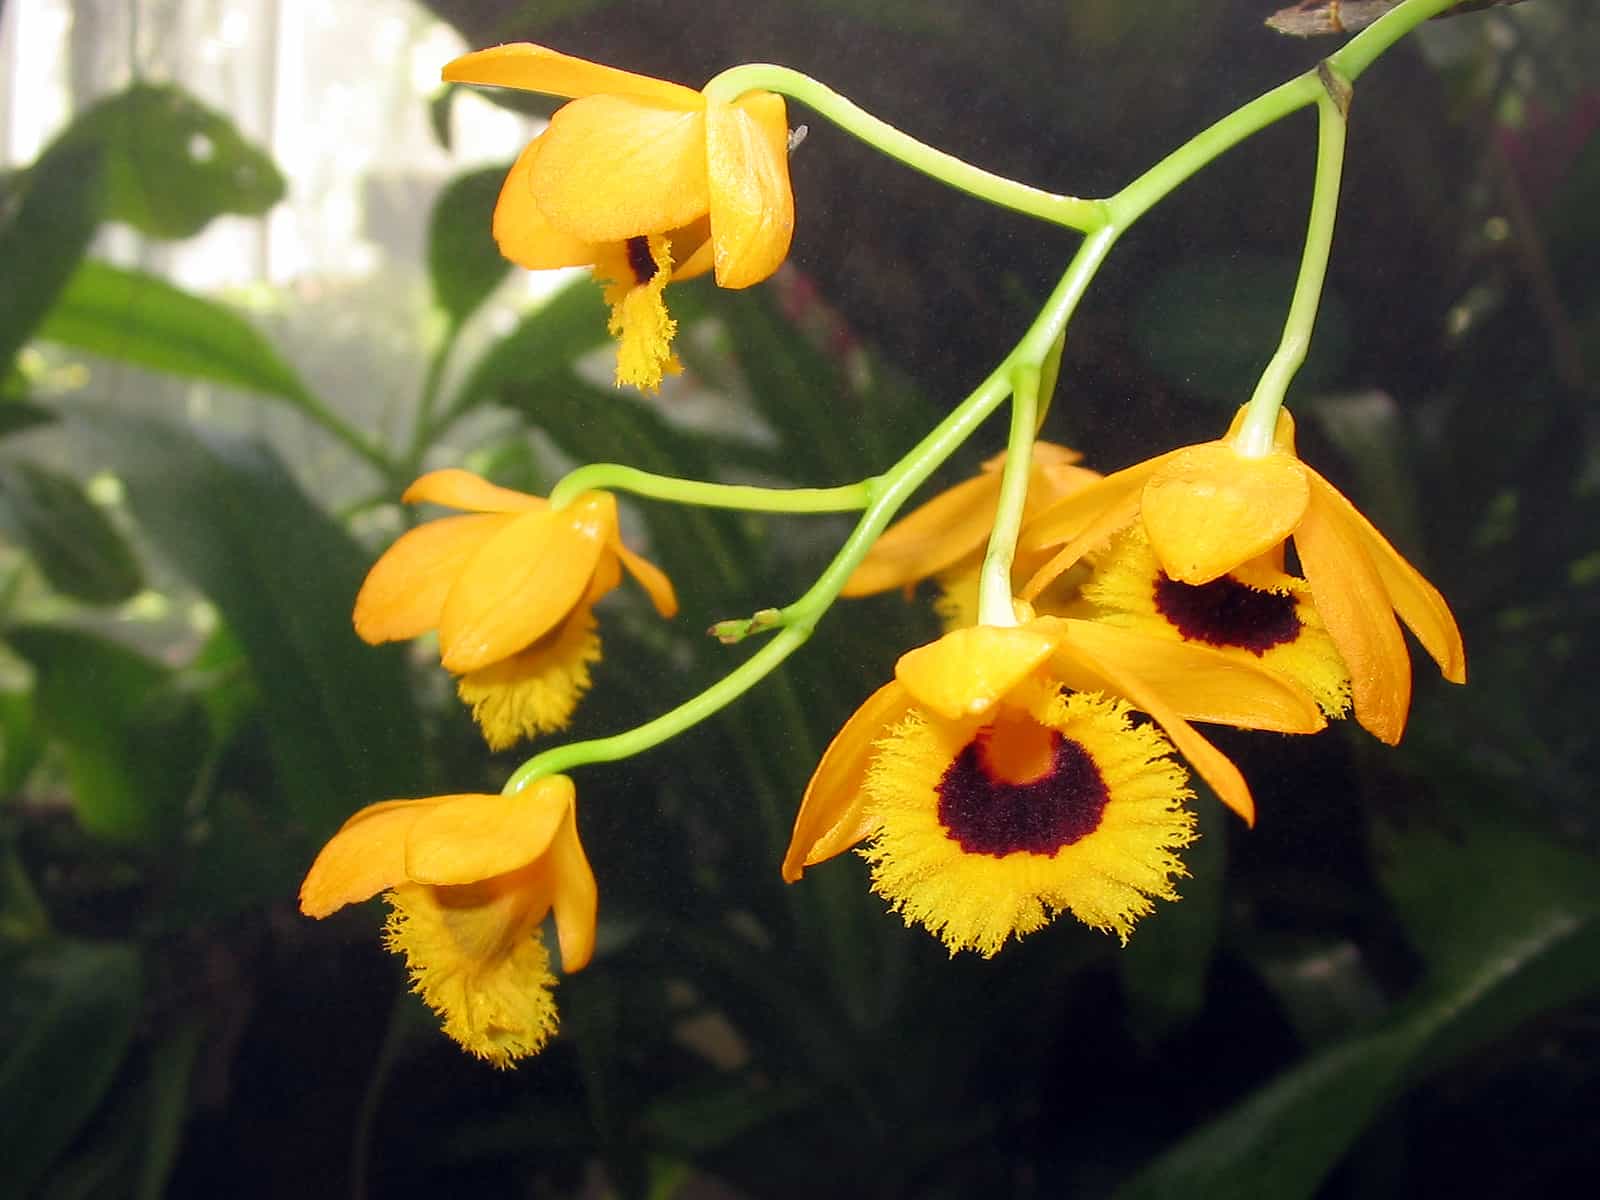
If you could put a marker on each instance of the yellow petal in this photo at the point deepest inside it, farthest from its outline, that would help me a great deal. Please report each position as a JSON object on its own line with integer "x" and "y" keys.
{"x": 1070, "y": 518}
{"x": 1202, "y": 683}
{"x": 752, "y": 207}
{"x": 1416, "y": 600}
{"x": 574, "y": 896}
{"x": 477, "y": 837}
{"x": 930, "y": 538}
{"x": 832, "y": 817}
{"x": 1354, "y": 605}
{"x": 1208, "y": 509}
{"x": 521, "y": 230}
{"x": 534, "y": 690}
{"x": 1084, "y": 520}
{"x": 1053, "y": 482}
{"x": 522, "y": 582}
{"x": 1282, "y": 432}
{"x": 405, "y": 592}
{"x": 366, "y": 856}
{"x": 534, "y": 68}
{"x": 650, "y": 577}
{"x": 966, "y": 672}
{"x": 1083, "y": 672}
{"x": 692, "y": 252}
{"x": 480, "y": 836}
{"x": 455, "y": 488}
{"x": 611, "y": 168}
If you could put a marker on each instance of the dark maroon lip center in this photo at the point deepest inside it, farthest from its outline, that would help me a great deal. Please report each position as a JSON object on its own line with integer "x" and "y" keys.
{"x": 1226, "y": 612}
{"x": 641, "y": 260}
{"x": 986, "y": 815}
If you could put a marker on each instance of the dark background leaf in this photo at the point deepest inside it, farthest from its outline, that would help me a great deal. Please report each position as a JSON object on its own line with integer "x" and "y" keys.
{"x": 341, "y": 724}
{"x": 172, "y": 163}
{"x": 48, "y": 214}
{"x": 71, "y": 1008}
{"x": 70, "y": 538}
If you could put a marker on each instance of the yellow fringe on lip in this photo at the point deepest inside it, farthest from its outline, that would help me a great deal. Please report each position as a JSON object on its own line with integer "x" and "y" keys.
{"x": 641, "y": 324}
{"x": 1107, "y": 878}
{"x": 1122, "y": 591}
{"x": 535, "y": 690}
{"x": 479, "y": 963}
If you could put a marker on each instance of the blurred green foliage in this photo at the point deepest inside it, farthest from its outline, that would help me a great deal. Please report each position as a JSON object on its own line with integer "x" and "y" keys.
{"x": 1387, "y": 989}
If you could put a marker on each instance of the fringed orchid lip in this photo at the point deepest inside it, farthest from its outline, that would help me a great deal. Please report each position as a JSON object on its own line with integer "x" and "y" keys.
{"x": 1256, "y": 613}
{"x": 1059, "y": 804}
{"x": 970, "y": 678}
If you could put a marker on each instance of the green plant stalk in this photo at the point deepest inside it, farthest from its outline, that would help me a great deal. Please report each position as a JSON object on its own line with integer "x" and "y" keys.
{"x": 615, "y": 477}
{"x": 1103, "y": 220}
{"x": 423, "y": 426}
{"x": 1071, "y": 211}
{"x": 888, "y": 492}
{"x": 341, "y": 430}
{"x": 1255, "y": 436}
{"x": 995, "y": 605}
{"x": 1361, "y": 51}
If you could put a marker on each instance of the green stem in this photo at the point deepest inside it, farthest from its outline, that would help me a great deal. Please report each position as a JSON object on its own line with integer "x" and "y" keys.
{"x": 1151, "y": 187}
{"x": 617, "y": 478}
{"x": 423, "y": 427}
{"x": 1138, "y": 197}
{"x": 995, "y": 606}
{"x": 1255, "y": 436}
{"x": 1362, "y": 50}
{"x": 1071, "y": 211}
{"x": 888, "y": 493}
{"x": 352, "y": 438}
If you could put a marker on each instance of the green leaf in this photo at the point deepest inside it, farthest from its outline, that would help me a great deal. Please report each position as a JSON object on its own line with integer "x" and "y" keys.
{"x": 130, "y": 737}
{"x": 19, "y": 416}
{"x": 1508, "y": 925}
{"x": 172, "y": 164}
{"x": 340, "y": 721}
{"x": 138, "y": 318}
{"x": 76, "y": 547}
{"x": 70, "y": 1012}
{"x": 45, "y": 228}
{"x": 463, "y": 260}
{"x": 540, "y": 349}
{"x": 171, "y": 1065}
{"x": 19, "y": 740}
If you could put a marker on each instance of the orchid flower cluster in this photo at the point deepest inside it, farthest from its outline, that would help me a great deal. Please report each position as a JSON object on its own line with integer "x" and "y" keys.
{"x": 1001, "y": 777}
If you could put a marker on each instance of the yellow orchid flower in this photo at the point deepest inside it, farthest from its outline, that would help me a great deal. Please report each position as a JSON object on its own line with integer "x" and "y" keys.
{"x": 511, "y": 589}
{"x": 1207, "y": 509}
{"x": 1001, "y": 781}
{"x": 645, "y": 181}
{"x": 469, "y": 879}
{"x": 944, "y": 539}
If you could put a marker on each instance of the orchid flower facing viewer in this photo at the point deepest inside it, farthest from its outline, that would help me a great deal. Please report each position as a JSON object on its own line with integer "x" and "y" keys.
{"x": 645, "y": 181}
{"x": 1208, "y": 509}
{"x": 469, "y": 879}
{"x": 1001, "y": 781}
{"x": 511, "y": 588}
